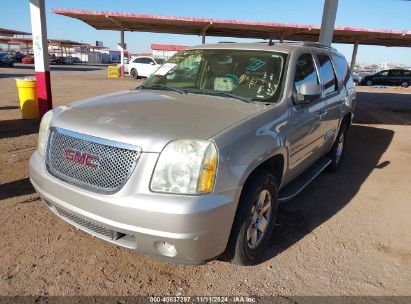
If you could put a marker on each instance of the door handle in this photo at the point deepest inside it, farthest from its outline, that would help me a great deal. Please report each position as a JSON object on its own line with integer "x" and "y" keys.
{"x": 321, "y": 114}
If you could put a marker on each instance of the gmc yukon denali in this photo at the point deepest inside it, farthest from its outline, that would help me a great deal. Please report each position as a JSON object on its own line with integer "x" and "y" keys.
{"x": 192, "y": 164}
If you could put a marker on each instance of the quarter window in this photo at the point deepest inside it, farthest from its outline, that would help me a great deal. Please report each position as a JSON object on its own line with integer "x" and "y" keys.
{"x": 305, "y": 71}
{"x": 341, "y": 68}
{"x": 327, "y": 74}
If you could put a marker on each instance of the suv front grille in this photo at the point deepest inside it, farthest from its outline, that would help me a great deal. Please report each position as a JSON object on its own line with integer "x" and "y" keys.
{"x": 107, "y": 170}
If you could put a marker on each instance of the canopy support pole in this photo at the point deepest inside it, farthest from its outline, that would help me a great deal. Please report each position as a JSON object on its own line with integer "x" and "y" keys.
{"x": 354, "y": 55}
{"x": 204, "y": 31}
{"x": 41, "y": 56}
{"x": 328, "y": 21}
{"x": 122, "y": 52}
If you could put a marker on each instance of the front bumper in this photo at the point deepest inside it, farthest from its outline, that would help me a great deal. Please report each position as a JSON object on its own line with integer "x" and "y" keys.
{"x": 197, "y": 226}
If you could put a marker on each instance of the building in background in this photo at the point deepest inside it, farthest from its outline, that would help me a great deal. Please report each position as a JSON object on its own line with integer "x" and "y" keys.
{"x": 166, "y": 51}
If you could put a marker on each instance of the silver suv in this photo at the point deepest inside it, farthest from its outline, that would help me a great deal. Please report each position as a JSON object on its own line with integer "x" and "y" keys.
{"x": 193, "y": 164}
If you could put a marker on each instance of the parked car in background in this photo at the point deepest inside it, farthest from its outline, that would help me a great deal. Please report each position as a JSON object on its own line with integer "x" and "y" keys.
{"x": 190, "y": 166}
{"x": 76, "y": 60}
{"x": 142, "y": 66}
{"x": 17, "y": 57}
{"x": 53, "y": 59}
{"x": 394, "y": 77}
{"x": 356, "y": 77}
{"x": 6, "y": 61}
{"x": 28, "y": 60}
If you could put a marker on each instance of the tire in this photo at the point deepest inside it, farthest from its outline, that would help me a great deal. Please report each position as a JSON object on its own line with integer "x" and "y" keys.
{"x": 369, "y": 83}
{"x": 258, "y": 205}
{"x": 134, "y": 73}
{"x": 336, "y": 153}
{"x": 405, "y": 84}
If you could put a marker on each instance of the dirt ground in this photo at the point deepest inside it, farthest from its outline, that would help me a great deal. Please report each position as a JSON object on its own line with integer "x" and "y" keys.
{"x": 348, "y": 233}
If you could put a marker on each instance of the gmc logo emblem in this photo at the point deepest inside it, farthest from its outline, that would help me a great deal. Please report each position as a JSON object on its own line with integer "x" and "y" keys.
{"x": 81, "y": 158}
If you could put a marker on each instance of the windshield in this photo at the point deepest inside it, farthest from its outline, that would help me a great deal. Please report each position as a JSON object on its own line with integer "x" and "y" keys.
{"x": 254, "y": 75}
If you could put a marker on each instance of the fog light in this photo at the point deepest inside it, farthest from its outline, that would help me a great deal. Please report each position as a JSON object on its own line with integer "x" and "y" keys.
{"x": 165, "y": 248}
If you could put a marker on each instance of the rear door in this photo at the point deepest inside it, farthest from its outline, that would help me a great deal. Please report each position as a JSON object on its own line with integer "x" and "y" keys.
{"x": 395, "y": 77}
{"x": 407, "y": 77}
{"x": 332, "y": 97}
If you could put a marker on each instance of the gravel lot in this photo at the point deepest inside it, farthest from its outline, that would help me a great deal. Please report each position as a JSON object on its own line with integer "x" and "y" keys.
{"x": 347, "y": 234}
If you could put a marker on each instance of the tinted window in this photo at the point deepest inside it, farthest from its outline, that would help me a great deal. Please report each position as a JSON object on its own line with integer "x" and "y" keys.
{"x": 327, "y": 74}
{"x": 407, "y": 73}
{"x": 143, "y": 60}
{"x": 395, "y": 73}
{"x": 342, "y": 70}
{"x": 305, "y": 71}
{"x": 383, "y": 73}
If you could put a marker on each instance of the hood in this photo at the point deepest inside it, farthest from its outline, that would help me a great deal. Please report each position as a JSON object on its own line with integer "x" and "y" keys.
{"x": 150, "y": 119}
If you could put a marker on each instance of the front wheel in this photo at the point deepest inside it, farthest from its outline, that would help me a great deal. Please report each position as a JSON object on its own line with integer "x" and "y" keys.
{"x": 369, "y": 83}
{"x": 255, "y": 219}
{"x": 134, "y": 73}
{"x": 405, "y": 84}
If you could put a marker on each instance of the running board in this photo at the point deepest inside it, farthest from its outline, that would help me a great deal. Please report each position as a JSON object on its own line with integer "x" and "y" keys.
{"x": 296, "y": 186}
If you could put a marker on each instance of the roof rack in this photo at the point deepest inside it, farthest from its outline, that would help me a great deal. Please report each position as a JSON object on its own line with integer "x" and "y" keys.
{"x": 319, "y": 45}
{"x": 304, "y": 43}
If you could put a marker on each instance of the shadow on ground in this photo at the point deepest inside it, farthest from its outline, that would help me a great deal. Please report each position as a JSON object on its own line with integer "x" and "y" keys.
{"x": 383, "y": 108}
{"x": 16, "y": 188}
{"x": 4, "y": 108}
{"x": 329, "y": 193}
{"x": 63, "y": 68}
{"x": 18, "y": 127}
{"x": 12, "y": 75}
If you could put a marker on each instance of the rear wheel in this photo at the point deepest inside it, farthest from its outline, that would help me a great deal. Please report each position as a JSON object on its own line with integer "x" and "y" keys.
{"x": 255, "y": 219}
{"x": 405, "y": 84}
{"x": 134, "y": 73}
{"x": 337, "y": 151}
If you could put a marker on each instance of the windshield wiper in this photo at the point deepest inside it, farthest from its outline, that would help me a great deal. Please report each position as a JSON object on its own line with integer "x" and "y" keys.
{"x": 218, "y": 93}
{"x": 162, "y": 87}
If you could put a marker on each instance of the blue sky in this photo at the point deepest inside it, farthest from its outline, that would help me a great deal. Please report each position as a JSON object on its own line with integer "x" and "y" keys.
{"x": 381, "y": 14}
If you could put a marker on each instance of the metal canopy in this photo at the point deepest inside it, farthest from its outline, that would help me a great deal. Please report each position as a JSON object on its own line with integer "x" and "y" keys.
{"x": 11, "y": 33}
{"x": 233, "y": 28}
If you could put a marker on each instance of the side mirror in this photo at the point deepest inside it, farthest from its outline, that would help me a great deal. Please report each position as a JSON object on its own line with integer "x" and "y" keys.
{"x": 152, "y": 63}
{"x": 309, "y": 92}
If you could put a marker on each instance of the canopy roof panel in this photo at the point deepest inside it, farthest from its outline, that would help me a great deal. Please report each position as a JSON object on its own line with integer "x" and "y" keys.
{"x": 11, "y": 33}
{"x": 233, "y": 28}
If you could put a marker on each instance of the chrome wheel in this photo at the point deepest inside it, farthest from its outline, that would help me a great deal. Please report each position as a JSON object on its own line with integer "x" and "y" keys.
{"x": 369, "y": 83}
{"x": 340, "y": 148}
{"x": 259, "y": 219}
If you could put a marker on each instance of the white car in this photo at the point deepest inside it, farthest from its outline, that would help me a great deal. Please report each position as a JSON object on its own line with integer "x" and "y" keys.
{"x": 142, "y": 66}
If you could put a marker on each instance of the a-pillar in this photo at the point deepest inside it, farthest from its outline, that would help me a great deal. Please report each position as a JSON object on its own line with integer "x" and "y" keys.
{"x": 40, "y": 49}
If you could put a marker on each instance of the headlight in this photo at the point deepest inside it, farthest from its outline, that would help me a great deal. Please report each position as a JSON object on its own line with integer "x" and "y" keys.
{"x": 43, "y": 132}
{"x": 186, "y": 167}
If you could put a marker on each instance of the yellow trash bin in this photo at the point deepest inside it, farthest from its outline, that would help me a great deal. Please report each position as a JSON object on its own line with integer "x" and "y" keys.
{"x": 113, "y": 72}
{"x": 28, "y": 98}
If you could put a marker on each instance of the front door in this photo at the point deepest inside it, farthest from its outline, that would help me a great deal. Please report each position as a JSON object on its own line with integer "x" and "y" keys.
{"x": 305, "y": 130}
